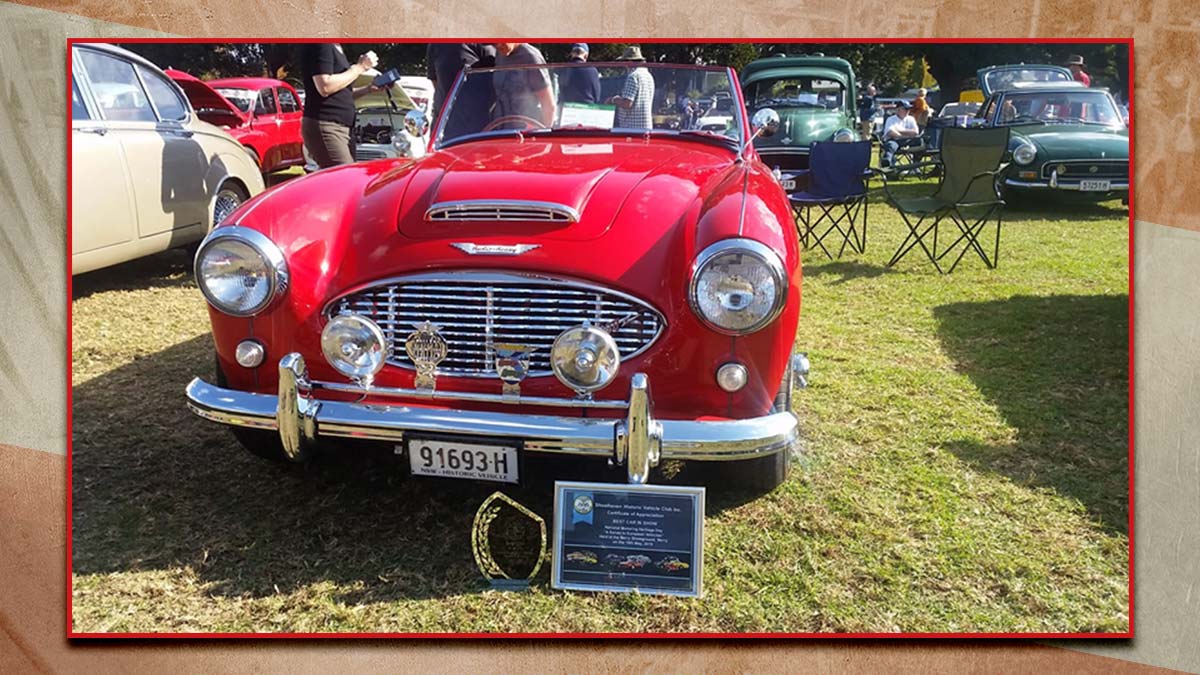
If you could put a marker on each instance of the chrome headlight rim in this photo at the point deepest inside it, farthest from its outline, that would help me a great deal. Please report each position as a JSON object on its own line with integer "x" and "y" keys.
{"x": 270, "y": 253}
{"x": 765, "y": 255}
{"x": 1025, "y": 146}
{"x": 843, "y": 135}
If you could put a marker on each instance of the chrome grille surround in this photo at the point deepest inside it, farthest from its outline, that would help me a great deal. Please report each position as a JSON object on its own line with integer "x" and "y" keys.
{"x": 503, "y": 210}
{"x": 474, "y": 311}
{"x": 1080, "y": 169}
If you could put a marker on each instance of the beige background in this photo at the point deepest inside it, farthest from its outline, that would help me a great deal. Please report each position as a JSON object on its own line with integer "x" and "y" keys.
{"x": 33, "y": 307}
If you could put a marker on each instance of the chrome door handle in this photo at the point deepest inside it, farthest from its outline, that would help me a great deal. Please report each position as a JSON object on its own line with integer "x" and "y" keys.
{"x": 99, "y": 131}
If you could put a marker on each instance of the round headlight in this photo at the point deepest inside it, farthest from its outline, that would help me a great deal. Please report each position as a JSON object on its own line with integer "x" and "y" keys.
{"x": 843, "y": 136}
{"x": 738, "y": 286}
{"x": 585, "y": 358}
{"x": 240, "y": 271}
{"x": 1025, "y": 153}
{"x": 355, "y": 346}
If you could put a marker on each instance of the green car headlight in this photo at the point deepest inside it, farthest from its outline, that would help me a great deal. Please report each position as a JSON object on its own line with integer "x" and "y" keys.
{"x": 1024, "y": 154}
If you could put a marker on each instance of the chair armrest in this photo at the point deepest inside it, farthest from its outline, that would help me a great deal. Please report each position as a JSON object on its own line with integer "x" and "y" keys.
{"x": 993, "y": 173}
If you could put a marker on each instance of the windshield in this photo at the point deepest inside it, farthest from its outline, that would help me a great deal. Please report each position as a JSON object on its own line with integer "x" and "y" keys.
{"x": 243, "y": 99}
{"x": 600, "y": 98}
{"x": 1003, "y": 79}
{"x": 1087, "y": 107}
{"x": 797, "y": 92}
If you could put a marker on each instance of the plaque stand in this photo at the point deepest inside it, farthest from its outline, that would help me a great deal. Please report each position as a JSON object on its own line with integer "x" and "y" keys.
{"x": 502, "y": 509}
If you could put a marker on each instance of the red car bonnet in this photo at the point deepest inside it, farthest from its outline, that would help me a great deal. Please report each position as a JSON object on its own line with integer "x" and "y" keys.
{"x": 210, "y": 106}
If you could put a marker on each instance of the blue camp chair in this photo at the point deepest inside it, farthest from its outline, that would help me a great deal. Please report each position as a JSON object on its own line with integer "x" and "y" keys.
{"x": 837, "y": 186}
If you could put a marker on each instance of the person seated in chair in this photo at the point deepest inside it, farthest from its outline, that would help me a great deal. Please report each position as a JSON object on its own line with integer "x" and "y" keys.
{"x": 899, "y": 131}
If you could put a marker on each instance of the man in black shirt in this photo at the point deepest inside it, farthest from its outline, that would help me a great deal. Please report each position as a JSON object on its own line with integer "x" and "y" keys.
{"x": 580, "y": 84}
{"x": 444, "y": 60}
{"x": 329, "y": 95}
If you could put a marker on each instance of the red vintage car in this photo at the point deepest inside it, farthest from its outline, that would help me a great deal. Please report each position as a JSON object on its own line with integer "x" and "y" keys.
{"x": 263, "y": 114}
{"x": 554, "y": 277}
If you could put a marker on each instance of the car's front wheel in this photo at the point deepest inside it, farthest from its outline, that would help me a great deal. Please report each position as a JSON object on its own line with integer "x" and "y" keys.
{"x": 228, "y": 198}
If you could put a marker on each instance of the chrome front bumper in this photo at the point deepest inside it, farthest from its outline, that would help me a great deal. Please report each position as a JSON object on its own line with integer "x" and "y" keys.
{"x": 638, "y": 441}
{"x": 1053, "y": 184}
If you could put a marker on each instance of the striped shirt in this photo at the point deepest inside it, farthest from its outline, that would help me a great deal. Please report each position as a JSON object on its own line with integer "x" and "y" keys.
{"x": 639, "y": 88}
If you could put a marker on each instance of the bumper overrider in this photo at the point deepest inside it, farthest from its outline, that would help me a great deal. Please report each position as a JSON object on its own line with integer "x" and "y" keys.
{"x": 638, "y": 441}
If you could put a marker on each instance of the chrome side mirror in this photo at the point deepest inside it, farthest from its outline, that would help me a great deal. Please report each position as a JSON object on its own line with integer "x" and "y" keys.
{"x": 764, "y": 123}
{"x": 416, "y": 123}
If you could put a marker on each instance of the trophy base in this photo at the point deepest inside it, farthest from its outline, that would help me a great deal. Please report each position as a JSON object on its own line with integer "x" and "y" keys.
{"x": 509, "y": 584}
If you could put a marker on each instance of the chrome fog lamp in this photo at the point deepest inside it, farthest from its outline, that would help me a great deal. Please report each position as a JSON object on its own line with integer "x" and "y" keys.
{"x": 1025, "y": 153}
{"x": 240, "y": 271}
{"x": 731, "y": 377}
{"x": 738, "y": 286}
{"x": 355, "y": 346}
{"x": 843, "y": 136}
{"x": 250, "y": 353}
{"x": 585, "y": 358}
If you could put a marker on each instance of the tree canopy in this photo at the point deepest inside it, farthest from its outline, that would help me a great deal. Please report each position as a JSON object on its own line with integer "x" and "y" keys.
{"x": 892, "y": 67}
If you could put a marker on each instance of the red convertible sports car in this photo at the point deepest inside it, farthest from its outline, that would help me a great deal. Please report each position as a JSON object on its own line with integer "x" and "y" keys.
{"x": 261, "y": 113}
{"x": 553, "y": 277}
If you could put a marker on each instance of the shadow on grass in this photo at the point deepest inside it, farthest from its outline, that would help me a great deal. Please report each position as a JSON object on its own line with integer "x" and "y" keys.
{"x": 156, "y": 488}
{"x": 1019, "y": 207}
{"x": 1057, "y": 370}
{"x": 169, "y": 269}
{"x": 845, "y": 269}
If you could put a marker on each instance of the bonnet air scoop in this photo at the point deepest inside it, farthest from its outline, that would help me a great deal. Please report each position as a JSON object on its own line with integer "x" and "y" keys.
{"x": 509, "y": 210}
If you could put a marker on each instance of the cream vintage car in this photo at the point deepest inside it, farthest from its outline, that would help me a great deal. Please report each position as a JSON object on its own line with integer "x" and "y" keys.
{"x": 146, "y": 174}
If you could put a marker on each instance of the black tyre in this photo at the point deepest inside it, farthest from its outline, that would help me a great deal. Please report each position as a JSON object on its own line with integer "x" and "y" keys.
{"x": 262, "y": 443}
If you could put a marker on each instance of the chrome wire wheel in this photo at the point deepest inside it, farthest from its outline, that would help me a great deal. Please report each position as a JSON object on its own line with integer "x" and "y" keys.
{"x": 227, "y": 200}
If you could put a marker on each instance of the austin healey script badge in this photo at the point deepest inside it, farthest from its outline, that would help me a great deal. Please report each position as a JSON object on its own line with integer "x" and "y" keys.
{"x": 426, "y": 348}
{"x": 509, "y": 542}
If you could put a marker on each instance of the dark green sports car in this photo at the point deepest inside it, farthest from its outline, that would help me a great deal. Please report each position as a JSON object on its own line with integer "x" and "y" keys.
{"x": 815, "y": 96}
{"x": 1067, "y": 140}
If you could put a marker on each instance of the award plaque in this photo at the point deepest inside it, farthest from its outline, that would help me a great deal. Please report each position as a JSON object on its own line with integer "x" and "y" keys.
{"x": 509, "y": 542}
{"x": 644, "y": 538}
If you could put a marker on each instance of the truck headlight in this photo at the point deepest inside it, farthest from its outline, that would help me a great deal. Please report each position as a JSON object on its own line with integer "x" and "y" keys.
{"x": 240, "y": 271}
{"x": 843, "y": 136}
{"x": 738, "y": 286}
{"x": 1024, "y": 154}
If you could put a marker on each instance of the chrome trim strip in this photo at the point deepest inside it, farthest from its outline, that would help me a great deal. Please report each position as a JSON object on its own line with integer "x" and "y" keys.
{"x": 479, "y": 397}
{"x": 637, "y": 439}
{"x": 517, "y": 208}
{"x": 1050, "y": 166}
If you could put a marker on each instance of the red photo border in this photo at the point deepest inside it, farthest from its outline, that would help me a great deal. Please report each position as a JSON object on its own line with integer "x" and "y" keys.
{"x": 72, "y": 634}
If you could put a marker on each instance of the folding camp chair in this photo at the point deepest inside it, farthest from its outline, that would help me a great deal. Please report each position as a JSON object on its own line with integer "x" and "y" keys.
{"x": 837, "y": 186}
{"x": 967, "y": 195}
{"x": 909, "y": 160}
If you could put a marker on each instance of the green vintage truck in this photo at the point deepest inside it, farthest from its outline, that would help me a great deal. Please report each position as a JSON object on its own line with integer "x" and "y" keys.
{"x": 815, "y": 96}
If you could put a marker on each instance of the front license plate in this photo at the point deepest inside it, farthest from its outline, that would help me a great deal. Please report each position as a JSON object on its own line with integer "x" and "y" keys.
{"x": 1095, "y": 185}
{"x": 454, "y": 459}
{"x": 788, "y": 185}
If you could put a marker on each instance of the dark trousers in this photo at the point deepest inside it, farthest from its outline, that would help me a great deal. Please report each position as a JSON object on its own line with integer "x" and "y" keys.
{"x": 891, "y": 146}
{"x": 328, "y": 143}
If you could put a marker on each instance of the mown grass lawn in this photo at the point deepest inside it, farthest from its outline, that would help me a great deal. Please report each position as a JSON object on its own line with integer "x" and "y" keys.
{"x": 965, "y": 469}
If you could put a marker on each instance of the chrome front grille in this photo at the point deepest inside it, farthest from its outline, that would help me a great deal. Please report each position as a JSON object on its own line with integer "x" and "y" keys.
{"x": 502, "y": 209}
{"x": 1082, "y": 169}
{"x": 476, "y": 311}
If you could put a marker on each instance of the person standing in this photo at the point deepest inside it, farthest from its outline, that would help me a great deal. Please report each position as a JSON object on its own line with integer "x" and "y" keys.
{"x": 329, "y": 95}
{"x": 900, "y": 130}
{"x": 525, "y": 92}
{"x": 866, "y": 111}
{"x": 579, "y": 84}
{"x": 1075, "y": 63}
{"x": 920, "y": 108}
{"x": 637, "y": 95}
{"x": 444, "y": 60}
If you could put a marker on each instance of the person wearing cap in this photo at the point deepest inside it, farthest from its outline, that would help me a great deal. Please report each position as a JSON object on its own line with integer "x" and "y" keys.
{"x": 900, "y": 130}
{"x": 637, "y": 94}
{"x": 579, "y": 84}
{"x": 526, "y": 92}
{"x": 1075, "y": 63}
